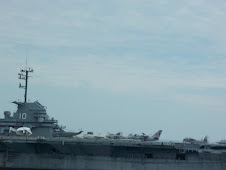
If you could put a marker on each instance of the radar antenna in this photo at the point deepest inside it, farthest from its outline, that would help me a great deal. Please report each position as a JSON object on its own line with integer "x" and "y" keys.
{"x": 25, "y": 77}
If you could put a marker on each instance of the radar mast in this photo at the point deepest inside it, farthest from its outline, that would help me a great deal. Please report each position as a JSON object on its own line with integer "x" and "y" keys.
{"x": 25, "y": 76}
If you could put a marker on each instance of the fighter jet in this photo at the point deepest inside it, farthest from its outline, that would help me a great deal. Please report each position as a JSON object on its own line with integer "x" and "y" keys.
{"x": 99, "y": 136}
{"x": 155, "y": 137}
{"x": 191, "y": 140}
{"x": 22, "y": 131}
{"x": 115, "y": 136}
{"x": 222, "y": 142}
{"x": 63, "y": 133}
{"x": 144, "y": 137}
{"x": 89, "y": 135}
{"x": 137, "y": 137}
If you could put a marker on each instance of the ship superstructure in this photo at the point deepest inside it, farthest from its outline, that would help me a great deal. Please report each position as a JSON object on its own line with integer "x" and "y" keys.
{"x": 32, "y": 115}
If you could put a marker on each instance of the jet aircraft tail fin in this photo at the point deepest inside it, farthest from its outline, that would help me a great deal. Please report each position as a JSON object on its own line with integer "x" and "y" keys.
{"x": 11, "y": 129}
{"x": 157, "y": 135}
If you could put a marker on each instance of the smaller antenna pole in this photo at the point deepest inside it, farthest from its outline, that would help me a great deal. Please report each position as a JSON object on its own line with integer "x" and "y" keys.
{"x": 26, "y": 84}
{"x": 25, "y": 77}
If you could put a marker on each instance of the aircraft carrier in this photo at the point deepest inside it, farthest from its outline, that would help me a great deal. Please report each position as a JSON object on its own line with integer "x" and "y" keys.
{"x": 29, "y": 139}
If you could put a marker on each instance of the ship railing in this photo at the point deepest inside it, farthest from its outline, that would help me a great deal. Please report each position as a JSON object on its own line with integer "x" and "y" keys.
{"x": 183, "y": 147}
{"x": 212, "y": 151}
{"x": 28, "y": 121}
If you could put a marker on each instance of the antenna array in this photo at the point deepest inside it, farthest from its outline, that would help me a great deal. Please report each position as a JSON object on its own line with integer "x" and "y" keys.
{"x": 25, "y": 76}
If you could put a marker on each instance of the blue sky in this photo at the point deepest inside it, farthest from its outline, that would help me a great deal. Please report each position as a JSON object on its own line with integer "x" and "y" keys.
{"x": 130, "y": 66}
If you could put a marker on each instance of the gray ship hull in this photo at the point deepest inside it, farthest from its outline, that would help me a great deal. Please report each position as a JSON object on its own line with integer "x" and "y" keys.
{"x": 46, "y": 161}
{"x": 81, "y": 154}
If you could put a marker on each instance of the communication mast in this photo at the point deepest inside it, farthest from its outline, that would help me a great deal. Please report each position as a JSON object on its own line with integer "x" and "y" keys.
{"x": 25, "y": 76}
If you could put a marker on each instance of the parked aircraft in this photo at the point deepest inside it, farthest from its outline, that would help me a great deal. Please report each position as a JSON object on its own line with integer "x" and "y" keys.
{"x": 22, "y": 131}
{"x": 99, "y": 136}
{"x": 63, "y": 133}
{"x": 155, "y": 137}
{"x": 144, "y": 137}
{"x": 191, "y": 140}
{"x": 90, "y": 135}
{"x": 137, "y": 137}
{"x": 115, "y": 136}
{"x": 222, "y": 142}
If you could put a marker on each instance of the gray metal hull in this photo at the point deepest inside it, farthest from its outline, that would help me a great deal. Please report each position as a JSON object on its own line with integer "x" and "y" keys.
{"x": 80, "y": 154}
{"x": 46, "y": 161}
